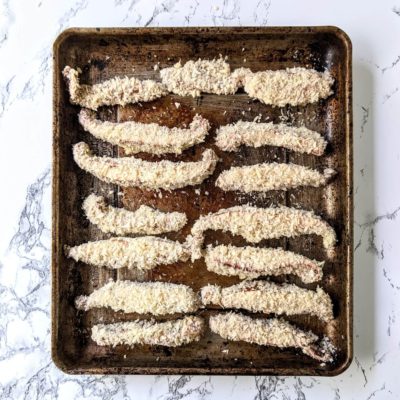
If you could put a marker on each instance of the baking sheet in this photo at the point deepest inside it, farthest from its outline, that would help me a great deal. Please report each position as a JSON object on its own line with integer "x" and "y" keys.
{"x": 105, "y": 53}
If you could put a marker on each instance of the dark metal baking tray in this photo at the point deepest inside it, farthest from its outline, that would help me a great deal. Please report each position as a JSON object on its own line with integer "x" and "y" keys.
{"x": 105, "y": 53}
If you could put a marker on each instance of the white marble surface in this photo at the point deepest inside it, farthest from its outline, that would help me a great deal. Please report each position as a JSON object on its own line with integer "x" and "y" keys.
{"x": 27, "y": 31}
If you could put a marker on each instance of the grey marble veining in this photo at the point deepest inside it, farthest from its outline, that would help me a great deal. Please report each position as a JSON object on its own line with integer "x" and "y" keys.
{"x": 27, "y": 30}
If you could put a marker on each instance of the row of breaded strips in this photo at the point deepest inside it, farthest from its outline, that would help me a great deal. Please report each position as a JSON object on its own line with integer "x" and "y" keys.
{"x": 158, "y": 298}
{"x": 294, "y": 86}
{"x": 254, "y": 224}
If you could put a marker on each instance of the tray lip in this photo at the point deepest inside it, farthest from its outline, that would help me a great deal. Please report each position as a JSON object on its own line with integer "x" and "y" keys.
{"x": 75, "y": 31}
{"x": 116, "y": 31}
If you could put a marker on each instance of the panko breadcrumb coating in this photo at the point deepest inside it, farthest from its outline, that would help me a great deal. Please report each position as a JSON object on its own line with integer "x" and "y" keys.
{"x": 255, "y": 224}
{"x": 257, "y": 134}
{"x": 157, "y": 298}
{"x": 171, "y": 333}
{"x": 131, "y": 171}
{"x": 201, "y": 76}
{"x": 144, "y": 221}
{"x": 143, "y": 253}
{"x": 271, "y": 176}
{"x": 293, "y": 86}
{"x": 268, "y": 297}
{"x": 253, "y": 262}
{"x": 115, "y": 91}
{"x": 136, "y": 137}
{"x": 269, "y": 332}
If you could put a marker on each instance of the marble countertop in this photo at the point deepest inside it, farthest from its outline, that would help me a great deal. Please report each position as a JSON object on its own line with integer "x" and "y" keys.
{"x": 27, "y": 31}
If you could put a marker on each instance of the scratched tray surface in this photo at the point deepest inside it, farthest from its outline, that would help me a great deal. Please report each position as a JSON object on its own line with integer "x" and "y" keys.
{"x": 103, "y": 54}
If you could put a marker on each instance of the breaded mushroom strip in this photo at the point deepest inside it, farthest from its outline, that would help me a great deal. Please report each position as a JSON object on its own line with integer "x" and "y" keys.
{"x": 143, "y": 253}
{"x": 256, "y": 224}
{"x": 115, "y": 91}
{"x": 253, "y": 262}
{"x": 293, "y": 86}
{"x": 257, "y": 134}
{"x": 268, "y": 297}
{"x": 201, "y": 76}
{"x": 271, "y": 176}
{"x": 269, "y": 332}
{"x": 144, "y": 221}
{"x": 136, "y": 137}
{"x": 171, "y": 333}
{"x": 157, "y": 298}
{"x": 130, "y": 171}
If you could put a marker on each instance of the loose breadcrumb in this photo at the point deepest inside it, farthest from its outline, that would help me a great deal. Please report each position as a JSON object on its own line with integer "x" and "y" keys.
{"x": 130, "y": 171}
{"x": 143, "y": 253}
{"x": 116, "y": 91}
{"x": 253, "y": 262}
{"x": 136, "y": 137}
{"x": 256, "y": 224}
{"x": 157, "y": 298}
{"x": 171, "y": 333}
{"x": 268, "y": 332}
{"x": 293, "y": 86}
{"x": 201, "y": 76}
{"x": 257, "y": 134}
{"x": 271, "y": 176}
{"x": 268, "y": 297}
{"x": 144, "y": 221}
